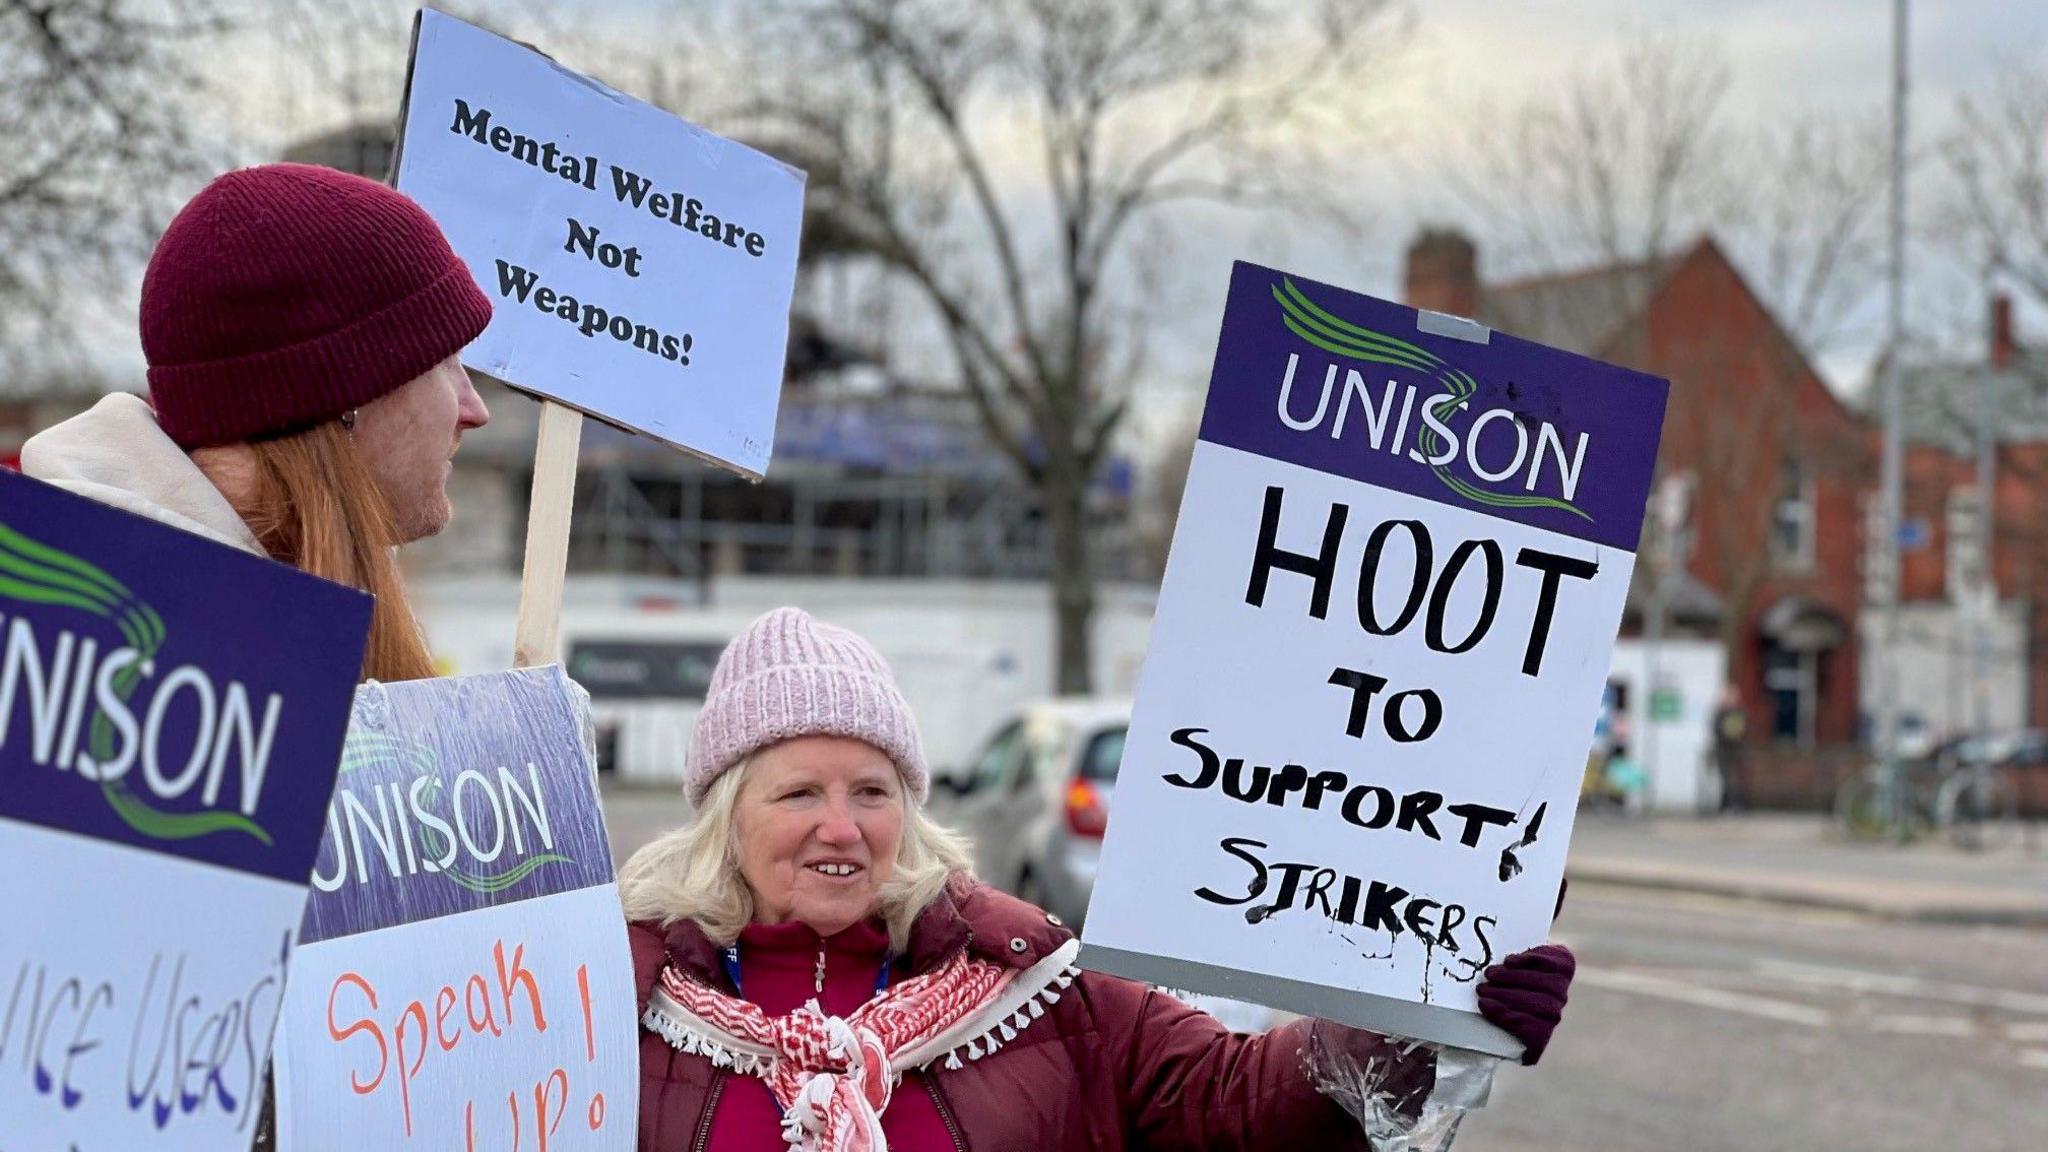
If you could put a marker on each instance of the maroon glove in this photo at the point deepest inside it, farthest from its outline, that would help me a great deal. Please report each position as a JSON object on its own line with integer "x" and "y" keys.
{"x": 1525, "y": 994}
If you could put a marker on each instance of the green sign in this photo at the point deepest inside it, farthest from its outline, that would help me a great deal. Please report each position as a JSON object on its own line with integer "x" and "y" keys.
{"x": 1665, "y": 705}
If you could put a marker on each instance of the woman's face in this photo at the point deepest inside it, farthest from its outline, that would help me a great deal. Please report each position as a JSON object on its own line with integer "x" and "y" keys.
{"x": 409, "y": 436}
{"x": 818, "y": 820}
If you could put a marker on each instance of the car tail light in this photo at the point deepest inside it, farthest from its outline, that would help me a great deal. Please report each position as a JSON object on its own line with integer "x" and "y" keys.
{"x": 1085, "y": 814}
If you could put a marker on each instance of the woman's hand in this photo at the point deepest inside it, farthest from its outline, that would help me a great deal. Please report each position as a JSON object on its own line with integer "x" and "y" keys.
{"x": 1525, "y": 995}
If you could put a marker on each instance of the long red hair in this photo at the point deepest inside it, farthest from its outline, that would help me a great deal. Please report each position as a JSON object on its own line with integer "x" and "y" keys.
{"x": 315, "y": 505}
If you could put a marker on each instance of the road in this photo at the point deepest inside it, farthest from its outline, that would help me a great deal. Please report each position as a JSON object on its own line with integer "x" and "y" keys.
{"x": 1705, "y": 1025}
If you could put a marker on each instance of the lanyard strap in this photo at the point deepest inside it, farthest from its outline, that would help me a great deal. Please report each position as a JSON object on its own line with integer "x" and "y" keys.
{"x": 731, "y": 959}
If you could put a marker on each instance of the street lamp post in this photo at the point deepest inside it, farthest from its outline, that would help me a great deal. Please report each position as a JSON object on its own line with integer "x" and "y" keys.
{"x": 1893, "y": 494}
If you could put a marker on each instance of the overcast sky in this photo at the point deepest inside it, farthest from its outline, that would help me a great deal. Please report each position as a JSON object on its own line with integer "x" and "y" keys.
{"x": 1786, "y": 57}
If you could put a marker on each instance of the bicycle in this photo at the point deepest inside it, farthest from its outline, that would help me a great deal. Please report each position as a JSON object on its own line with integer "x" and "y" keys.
{"x": 1979, "y": 805}
{"x": 1875, "y": 805}
{"x": 1965, "y": 791}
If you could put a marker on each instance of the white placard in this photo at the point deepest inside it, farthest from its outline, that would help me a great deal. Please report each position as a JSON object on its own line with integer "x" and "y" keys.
{"x": 494, "y": 1029}
{"x": 641, "y": 267}
{"x": 130, "y": 1033}
{"x": 1378, "y": 656}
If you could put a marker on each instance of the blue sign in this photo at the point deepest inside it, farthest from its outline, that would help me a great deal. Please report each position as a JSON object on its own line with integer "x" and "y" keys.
{"x": 456, "y": 795}
{"x": 1505, "y": 427}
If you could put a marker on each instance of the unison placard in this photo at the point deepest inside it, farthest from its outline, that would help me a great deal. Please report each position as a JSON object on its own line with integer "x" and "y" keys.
{"x": 1376, "y": 663}
{"x": 171, "y": 715}
{"x": 464, "y": 980}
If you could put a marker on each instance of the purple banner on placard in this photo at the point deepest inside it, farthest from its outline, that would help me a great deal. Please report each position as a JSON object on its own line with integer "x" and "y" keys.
{"x": 1350, "y": 385}
{"x": 166, "y": 692}
{"x": 455, "y": 795}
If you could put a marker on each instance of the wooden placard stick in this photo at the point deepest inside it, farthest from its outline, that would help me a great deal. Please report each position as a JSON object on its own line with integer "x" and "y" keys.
{"x": 539, "y": 638}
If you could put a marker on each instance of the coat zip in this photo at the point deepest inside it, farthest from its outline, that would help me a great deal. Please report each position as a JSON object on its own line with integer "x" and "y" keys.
{"x": 703, "y": 1140}
{"x": 931, "y": 1086}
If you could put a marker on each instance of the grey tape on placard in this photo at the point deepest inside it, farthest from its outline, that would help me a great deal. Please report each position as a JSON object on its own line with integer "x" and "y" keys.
{"x": 1456, "y": 327}
{"x": 1382, "y": 1014}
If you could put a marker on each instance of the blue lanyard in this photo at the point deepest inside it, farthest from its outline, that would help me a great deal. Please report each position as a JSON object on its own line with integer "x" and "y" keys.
{"x": 731, "y": 959}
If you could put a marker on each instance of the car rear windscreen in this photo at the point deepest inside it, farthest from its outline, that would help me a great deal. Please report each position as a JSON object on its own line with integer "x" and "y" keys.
{"x": 1105, "y": 752}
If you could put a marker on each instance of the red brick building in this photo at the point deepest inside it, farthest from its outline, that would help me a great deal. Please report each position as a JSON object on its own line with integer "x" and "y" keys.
{"x": 1947, "y": 405}
{"x": 1776, "y": 464}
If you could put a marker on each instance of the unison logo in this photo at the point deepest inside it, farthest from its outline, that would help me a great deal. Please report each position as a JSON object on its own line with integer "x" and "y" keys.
{"x": 482, "y": 831}
{"x": 163, "y": 745}
{"x": 1451, "y": 438}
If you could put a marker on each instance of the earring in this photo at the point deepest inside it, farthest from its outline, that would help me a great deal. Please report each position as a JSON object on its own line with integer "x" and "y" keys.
{"x": 348, "y": 422}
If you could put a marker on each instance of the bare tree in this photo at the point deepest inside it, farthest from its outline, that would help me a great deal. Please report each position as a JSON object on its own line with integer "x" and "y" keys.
{"x": 1997, "y": 159}
{"x": 1618, "y": 165}
{"x": 1808, "y": 230}
{"x": 346, "y": 60}
{"x": 998, "y": 160}
{"x": 1635, "y": 156}
{"x": 95, "y": 107}
{"x": 1166, "y": 482}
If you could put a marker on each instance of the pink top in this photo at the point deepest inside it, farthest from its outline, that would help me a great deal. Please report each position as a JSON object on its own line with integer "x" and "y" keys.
{"x": 778, "y": 971}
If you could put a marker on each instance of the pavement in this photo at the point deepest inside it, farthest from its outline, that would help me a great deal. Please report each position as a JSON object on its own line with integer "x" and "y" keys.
{"x": 1803, "y": 861}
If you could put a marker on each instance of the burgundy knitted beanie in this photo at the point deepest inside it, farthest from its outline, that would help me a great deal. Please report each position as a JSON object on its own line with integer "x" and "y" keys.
{"x": 288, "y": 294}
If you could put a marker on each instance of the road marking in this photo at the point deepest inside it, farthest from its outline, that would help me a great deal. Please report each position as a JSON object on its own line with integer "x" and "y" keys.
{"x": 1856, "y": 980}
{"x": 2034, "y": 1058}
{"x": 1961, "y": 1026}
{"x": 1643, "y": 984}
{"x": 2020, "y": 1033}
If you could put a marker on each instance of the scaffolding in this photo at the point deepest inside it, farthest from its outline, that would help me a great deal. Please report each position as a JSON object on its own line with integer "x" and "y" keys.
{"x": 695, "y": 523}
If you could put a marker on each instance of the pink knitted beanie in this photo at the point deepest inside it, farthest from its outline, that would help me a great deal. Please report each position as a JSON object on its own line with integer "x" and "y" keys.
{"x": 788, "y": 675}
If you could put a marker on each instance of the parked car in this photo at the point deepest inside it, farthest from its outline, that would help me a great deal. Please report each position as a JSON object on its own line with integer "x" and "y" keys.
{"x": 1036, "y": 800}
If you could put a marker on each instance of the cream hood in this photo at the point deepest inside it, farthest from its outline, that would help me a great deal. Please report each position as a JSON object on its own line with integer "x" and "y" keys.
{"x": 114, "y": 453}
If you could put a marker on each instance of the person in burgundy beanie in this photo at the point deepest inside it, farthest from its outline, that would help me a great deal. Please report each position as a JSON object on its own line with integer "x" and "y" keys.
{"x": 306, "y": 399}
{"x": 819, "y": 971}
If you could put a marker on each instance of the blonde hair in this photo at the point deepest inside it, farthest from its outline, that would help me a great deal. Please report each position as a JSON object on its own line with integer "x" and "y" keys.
{"x": 693, "y": 872}
{"x": 315, "y": 506}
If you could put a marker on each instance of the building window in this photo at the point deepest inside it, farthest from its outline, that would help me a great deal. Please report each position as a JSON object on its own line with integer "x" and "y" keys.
{"x": 1792, "y": 519}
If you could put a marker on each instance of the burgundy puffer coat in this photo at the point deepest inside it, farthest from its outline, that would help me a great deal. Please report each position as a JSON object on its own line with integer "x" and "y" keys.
{"x": 1113, "y": 1065}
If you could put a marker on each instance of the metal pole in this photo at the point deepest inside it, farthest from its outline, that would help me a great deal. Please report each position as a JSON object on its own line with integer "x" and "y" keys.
{"x": 1653, "y": 680}
{"x": 1984, "y": 597}
{"x": 1894, "y": 449}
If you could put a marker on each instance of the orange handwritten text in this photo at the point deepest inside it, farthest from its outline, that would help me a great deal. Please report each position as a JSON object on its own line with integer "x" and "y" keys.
{"x": 486, "y": 995}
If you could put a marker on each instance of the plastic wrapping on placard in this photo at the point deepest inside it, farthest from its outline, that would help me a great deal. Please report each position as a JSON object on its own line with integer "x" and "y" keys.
{"x": 1372, "y": 1091}
{"x": 588, "y": 723}
{"x": 465, "y": 848}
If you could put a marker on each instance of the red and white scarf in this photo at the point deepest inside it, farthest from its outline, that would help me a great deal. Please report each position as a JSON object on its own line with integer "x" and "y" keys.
{"x": 833, "y": 1076}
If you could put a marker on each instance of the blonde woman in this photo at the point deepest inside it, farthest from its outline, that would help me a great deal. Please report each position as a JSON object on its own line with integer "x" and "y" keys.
{"x": 819, "y": 970}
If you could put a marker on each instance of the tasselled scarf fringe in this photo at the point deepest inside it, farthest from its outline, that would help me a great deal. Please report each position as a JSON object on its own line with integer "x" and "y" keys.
{"x": 808, "y": 1122}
